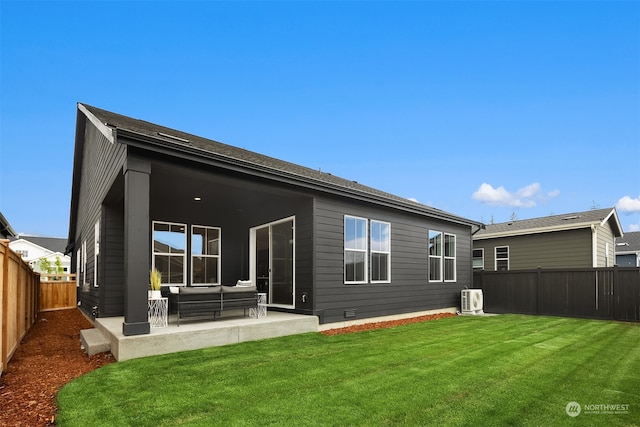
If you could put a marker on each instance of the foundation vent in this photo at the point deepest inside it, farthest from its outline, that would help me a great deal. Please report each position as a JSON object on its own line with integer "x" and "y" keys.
{"x": 350, "y": 313}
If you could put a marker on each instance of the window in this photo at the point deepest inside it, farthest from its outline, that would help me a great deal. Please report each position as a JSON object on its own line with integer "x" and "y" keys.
{"x": 169, "y": 251}
{"x": 502, "y": 258}
{"x": 380, "y": 252}
{"x": 435, "y": 256}
{"x": 22, "y": 252}
{"x": 478, "y": 259}
{"x": 442, "y": 257}
{"x": 96, "y": 255}
{"x": 449, "y": 258}
{"x": 84, "y": 264}
{"x": 78, "y": 266}
{"x": 355, "y": 250}
{"x": 205, "y": 255}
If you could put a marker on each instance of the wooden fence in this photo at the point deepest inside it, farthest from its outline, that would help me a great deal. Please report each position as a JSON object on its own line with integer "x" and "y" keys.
{"x": 57, "y": 291}
{"x": 596, "y": 293}
{"x": 19, "y": 295}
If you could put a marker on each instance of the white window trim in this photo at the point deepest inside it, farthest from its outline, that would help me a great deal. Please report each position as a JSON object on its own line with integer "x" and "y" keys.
{"x": 84, "y": 262}
{"x": 441, "y": 257}
{"x": 495, "y": 257}
{"x": 472, "y": 258}
{"x": 219, "y": 256}
{"x": 445, "y": 257}
{"x": 78, "y": 266}
{"x": 388, "y": 253}
{"x": 96, "y": 253}
{"x": 184, "y": 254}
{"x": 365, "y": 251}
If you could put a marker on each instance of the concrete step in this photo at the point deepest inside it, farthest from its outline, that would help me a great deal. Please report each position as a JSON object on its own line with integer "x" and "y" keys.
{"x": 93, "y": 341}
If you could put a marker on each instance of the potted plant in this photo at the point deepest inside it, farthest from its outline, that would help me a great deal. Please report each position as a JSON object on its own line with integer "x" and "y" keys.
{"x": 155, "y": 277}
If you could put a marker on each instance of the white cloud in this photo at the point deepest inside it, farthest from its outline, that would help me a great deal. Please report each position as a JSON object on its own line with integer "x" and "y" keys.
{"x": 553, "y": 194}
{"x": 634, "y": 227}
{"x": 628, "y": 205}
{"x": 526, "y": 197}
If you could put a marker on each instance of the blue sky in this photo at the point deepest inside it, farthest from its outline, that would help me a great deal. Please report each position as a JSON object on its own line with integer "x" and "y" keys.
{"x": 483, "y": 109}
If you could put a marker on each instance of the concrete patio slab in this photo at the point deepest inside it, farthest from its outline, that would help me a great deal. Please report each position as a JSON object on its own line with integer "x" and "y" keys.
{"x": 231, "y": 328}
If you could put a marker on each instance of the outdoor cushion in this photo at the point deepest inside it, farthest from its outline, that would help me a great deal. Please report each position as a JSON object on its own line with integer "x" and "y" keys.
{"x": 245, "y": 283}
{"x": 200, "y": 290}
{"x": 237, "y": 289}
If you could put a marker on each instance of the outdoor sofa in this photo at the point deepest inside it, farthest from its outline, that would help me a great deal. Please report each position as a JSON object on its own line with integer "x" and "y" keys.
{"x": 210, "y": 301}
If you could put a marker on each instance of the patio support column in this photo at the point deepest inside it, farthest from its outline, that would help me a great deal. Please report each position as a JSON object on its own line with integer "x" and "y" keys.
{"x": 137, "y": 174}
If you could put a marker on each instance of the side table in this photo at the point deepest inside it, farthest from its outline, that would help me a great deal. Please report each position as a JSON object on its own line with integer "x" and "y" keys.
{"x": 261, "y": 310}
{"x": 158, "y": 309}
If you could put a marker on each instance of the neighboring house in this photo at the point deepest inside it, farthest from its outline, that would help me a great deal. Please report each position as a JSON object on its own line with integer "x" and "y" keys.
{"x": 628, "y": 249}
{"x": 574, "y": 240}
{"x": 6, "y": 231}
{"x": 146, "y": 196}
{"x": 34, "y": 249}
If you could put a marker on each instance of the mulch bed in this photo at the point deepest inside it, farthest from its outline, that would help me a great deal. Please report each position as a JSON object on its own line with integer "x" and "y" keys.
{"x": 48, "y": 357}
{"x": 387, "y": 324}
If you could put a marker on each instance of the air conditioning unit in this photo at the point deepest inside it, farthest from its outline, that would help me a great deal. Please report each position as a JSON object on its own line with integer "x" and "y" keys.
{"x": 472, "y": 301}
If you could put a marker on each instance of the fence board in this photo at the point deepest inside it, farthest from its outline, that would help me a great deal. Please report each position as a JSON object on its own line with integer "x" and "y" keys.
{"x": 58, "y": 295}
{"x": 19, "y": 294}
{"x": 598, "y": 293}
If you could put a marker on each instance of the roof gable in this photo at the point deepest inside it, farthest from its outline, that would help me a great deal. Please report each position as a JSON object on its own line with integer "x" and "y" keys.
{"x": 570, "y": 221}
{"x": 630, "y": 242}
{"x": 151, "y": 136}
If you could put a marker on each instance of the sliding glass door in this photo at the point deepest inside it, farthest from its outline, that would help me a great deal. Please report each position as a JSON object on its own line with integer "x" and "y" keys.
{"x": 272, "y": 261}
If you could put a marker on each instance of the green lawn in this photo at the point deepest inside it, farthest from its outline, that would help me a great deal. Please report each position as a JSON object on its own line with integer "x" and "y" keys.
{"x": 467, "y": 371}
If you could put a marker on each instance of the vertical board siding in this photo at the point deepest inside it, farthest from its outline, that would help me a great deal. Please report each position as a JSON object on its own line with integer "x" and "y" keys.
{"x": 409, "y": 290}
{"x": 595, "y": 293}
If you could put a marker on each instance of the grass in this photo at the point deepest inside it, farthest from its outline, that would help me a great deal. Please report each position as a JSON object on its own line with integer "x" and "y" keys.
{"x": 490, "y": 371}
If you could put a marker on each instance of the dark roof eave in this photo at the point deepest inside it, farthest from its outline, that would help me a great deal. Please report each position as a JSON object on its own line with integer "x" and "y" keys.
{"x": 144, "y": 141}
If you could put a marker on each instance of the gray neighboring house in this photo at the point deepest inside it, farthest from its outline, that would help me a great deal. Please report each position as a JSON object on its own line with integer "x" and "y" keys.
{"x": 572, "y": 240}
{"x": 205, "y": 213}
{"x": 628, "y": 249}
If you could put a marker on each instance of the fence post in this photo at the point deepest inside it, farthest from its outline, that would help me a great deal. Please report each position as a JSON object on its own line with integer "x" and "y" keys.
{"x": 5, "y": 304}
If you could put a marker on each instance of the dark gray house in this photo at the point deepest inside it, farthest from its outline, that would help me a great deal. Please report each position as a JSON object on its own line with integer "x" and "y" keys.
{"x": 628, "y": 249}
{"x": 206, "y": 213}
{"x": 574, "y": 240}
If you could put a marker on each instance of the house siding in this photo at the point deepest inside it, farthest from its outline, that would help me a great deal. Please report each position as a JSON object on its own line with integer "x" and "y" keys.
{"x": 101, "y": 165}
{"x": 605, "y": 237}
{"x": 409, "y": 290}
{"x": 570, "y": 248}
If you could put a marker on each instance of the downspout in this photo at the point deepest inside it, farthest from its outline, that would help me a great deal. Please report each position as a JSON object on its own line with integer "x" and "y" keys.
{"x": 594, "y": 245}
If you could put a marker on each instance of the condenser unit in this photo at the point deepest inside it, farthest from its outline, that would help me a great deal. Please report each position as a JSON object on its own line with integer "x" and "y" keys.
{"x": 472, "y": 301}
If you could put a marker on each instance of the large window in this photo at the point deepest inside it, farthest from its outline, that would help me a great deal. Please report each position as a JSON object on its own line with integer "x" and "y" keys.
{"x": 169, "y": 251}
{"x": 380, "y": 252}
{"x": 355, "y": 250}
{"x": 478, "y": 259}
{"x": 205, "y": 255}
{"x": 442, "y": 257}
{"x": 435, "y": 256}
{"x": 502, "y": 258}
{"x": 367, "y": 251}
{"x": 449, "y": 258}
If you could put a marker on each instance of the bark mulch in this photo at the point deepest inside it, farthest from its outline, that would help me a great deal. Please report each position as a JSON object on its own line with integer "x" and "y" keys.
{"x": 48, "y": 357}
{"x": 386, "y": 324}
